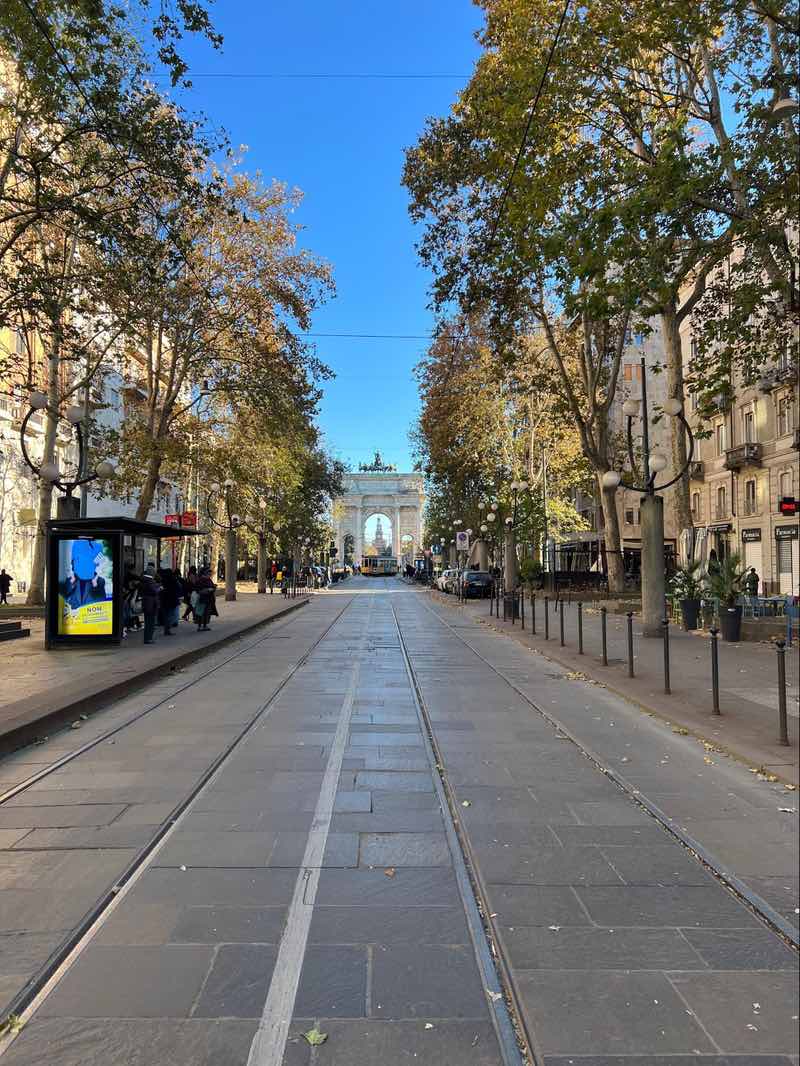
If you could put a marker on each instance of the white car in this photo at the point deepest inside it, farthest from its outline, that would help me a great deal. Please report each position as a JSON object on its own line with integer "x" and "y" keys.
{"x": 449, "y": 579}
{"x": 442, "y": 579}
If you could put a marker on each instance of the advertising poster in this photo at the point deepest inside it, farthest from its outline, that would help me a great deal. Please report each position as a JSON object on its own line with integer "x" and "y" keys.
{"x": 85, "y": 588}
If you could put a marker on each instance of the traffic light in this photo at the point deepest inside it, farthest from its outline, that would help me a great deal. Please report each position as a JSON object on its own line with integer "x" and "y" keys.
{"x": 787, "y": 506}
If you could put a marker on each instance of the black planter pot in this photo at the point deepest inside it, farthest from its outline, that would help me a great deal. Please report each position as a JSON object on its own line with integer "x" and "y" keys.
{"x": 690, "y": 610}
{"x": 730, "y": 623}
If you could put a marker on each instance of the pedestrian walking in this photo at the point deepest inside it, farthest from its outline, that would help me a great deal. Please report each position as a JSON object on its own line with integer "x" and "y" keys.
{"x": 273, "y": 575}
{"x": 206, "y": 601}
{"x": 5, "y": 586}
{"x": 189, "y": 586}
{"x": 150, "y": 595}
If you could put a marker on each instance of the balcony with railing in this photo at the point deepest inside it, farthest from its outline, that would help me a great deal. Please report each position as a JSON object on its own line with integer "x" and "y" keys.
{"x": 748, "y": 454}
{"x": 696, "y": 470}
{"x": 750, "y": 507}
{"x": 721, "y": 512}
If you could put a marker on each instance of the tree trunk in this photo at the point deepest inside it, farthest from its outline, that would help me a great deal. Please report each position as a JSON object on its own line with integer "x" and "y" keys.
{"x": 680, "y": 502}
{"x": 613, "y": 542}
{"x": 149, "y": 487}
{"x": 36, "y": 596}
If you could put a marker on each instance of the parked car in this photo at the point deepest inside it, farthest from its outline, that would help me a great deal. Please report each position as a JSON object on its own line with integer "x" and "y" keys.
{"x": 443, "y": 578}
{"x": 450, "y": 581}
{"x": 477, "y": 583}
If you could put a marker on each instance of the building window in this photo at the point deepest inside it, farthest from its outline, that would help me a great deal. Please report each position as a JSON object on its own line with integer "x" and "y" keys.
{"x": 632, "y": 371}
{"x": 696, "y": 506}
{"x": 695, "y": 348}
{"x": 748, "y": 426}
{"x": 719, "y": 437}
{"x": 786, "y": 484}
{"x": 631, "y": 517}
{"x": 638, "y": 339}
{"x": 722, "y": 502}
{"x": 784, "y": 415}
{"x": 750, "y": 497}
{"x": 20, "y": 342}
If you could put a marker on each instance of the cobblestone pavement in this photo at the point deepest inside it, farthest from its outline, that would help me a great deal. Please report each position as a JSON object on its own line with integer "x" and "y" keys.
{"x": 299, "y": 838}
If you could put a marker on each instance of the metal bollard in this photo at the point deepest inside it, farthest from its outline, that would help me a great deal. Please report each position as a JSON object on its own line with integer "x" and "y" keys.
{"x": 533, "y": 613}
{"x": 714, "y": 671}
{"x": 665, "y": 624}
{"x": 580, "y": 627}
{"x": 522, "y": 606}
{"x": 783, "y": 725}
{"x": 630, "y": 643}
{"x": 513, "y": 606}
{"x": 561, "y": 621}
{"x": 546, "y": 618}
{"x": 603, "y": 614}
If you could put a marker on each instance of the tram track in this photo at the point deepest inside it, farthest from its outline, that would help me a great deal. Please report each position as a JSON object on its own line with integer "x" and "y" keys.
{"x": 58, "y": 764}
{"x": 758, "y": 906}
{"x": 496, "y": 962}
{"x": 24, "y": 1004}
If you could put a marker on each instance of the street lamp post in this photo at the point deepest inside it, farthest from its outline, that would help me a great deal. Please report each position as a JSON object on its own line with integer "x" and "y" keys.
{"x": 652, "y": 505}
{"x": 68, "y": 506}
{"x": 229, "y": 528}
{"x": 259, "y": 527}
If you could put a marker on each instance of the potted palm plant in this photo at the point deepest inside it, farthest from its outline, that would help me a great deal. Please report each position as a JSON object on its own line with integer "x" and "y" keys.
{"x": 688, "y": 587}
{"x": 726, "y": 584}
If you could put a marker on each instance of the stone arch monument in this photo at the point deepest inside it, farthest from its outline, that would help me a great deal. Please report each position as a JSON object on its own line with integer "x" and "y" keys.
{"x": 379, "y": 489}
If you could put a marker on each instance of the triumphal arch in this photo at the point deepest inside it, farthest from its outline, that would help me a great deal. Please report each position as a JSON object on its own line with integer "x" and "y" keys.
{"x": 378, "y": 489}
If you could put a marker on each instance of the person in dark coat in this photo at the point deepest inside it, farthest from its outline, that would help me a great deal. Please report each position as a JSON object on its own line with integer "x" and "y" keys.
{"x": 150, "y": 595}
{"x": 189, "y": 586}
{"x": 206, "y": 604}
{"x": 5, "y": 586}
{"x": 170, "y": 600}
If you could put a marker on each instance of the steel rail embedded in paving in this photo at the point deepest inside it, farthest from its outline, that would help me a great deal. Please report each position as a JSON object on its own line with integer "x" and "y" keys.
{"x": 734, "y": 884}
{"x": 38, "y": 987}
{"x": 22, "y": 786}
{"x": 469, "y": 887}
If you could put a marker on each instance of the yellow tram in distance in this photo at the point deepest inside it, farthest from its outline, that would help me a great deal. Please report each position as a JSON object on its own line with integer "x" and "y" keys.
{"x": 379, "y": 566}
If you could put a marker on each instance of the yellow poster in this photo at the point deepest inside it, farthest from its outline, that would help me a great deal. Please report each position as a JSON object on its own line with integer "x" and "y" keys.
{"x": 85, "y": 588}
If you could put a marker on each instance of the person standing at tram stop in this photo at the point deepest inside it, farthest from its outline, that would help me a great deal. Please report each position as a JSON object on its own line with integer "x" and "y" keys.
{"x": 5, "y": 586}
{"x": 189, "y": 586}
{"x": 149, "y": 594}
{"x": 206, "y": 601}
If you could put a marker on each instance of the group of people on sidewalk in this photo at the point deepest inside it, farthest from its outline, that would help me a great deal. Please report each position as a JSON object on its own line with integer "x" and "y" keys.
{"x": 155, "y": 597}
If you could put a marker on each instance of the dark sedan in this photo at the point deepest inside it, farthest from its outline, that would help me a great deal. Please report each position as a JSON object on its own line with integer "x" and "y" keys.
{"x": 477, "y": 583}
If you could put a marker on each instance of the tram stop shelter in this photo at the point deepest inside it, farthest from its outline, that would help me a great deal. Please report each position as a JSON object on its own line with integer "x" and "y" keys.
{"x": 87, "y": 559}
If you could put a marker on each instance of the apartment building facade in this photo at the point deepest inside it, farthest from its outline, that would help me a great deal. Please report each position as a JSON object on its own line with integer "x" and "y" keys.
{"x": 745, "y": 467}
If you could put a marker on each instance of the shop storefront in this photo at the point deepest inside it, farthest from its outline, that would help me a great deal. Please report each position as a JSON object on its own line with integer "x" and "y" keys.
{"x": 787, "y": 558}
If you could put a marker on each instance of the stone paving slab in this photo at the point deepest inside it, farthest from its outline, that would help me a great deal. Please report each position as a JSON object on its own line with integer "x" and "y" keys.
{"x": 748, "y": 678}
{"x": 43, "y": 689}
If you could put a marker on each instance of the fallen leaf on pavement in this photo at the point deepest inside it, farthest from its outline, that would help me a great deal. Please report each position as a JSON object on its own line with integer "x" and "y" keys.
{"x": 428, "y": 1025}
{"x": 390, "y": 871}
{"x": 494, "y": 996}
{"x": 466, "y": 803}
{"x": 684, "y": 733}
{"x": 787, "y": 810}
{"x": 315, "y": 1037}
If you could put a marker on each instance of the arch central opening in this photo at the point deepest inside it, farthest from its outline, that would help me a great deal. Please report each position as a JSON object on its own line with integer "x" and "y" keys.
{"x": 379, "y": 536}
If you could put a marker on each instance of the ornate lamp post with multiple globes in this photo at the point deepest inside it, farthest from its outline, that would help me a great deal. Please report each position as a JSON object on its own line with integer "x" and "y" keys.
{"x": 68, "y": 505}
{"x": 652, "y": 505}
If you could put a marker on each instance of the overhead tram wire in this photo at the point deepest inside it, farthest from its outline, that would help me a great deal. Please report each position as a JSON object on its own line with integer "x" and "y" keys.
{"x": 518, "y": 159}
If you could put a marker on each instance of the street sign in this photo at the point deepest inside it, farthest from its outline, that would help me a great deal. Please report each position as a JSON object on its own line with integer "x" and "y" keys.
{"x": 189, "y": 520}
{"x": 462, "y": 541}
{"x": 788, "y": 506}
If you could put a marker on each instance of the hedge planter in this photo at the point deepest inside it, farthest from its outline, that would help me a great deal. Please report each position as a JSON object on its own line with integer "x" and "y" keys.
{"x": 730, "y": 623}
{"x": 690, "y": 611}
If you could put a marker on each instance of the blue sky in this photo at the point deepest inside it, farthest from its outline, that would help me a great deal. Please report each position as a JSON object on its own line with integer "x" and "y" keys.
{"x": 341, "y": 141}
